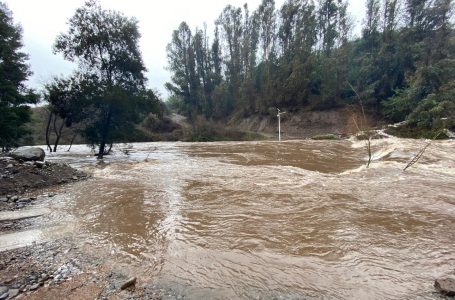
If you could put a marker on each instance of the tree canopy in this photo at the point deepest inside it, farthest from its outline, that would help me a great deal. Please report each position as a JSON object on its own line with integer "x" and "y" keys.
{"x": 304, "y": 56}
{"x": 110, "y": 83}
{"x": 14, "y": 71}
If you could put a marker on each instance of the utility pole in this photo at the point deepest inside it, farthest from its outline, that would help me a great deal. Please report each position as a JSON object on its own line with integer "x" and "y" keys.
{"x": 279, "y": 123}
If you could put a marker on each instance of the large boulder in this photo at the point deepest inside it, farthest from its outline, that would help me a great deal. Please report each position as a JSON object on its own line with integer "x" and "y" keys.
{"x": 446, "y": 286}
{"x": 28, "y": 154}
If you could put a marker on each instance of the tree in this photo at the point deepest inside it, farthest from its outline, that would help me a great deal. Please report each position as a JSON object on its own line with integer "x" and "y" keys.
{"x": 372, "y": 18}
{"x": 14, "y": 71}
{"x": 327, "y": 15}
{"x": 204, "y": 70}
{"x": 390, "y": 19}
{"x": 426, "y": 99}
{"x": 104, "y": 43}
{"x": 67, "y": 98}
{"x": 182, "y": 62}
{"x": 302, "y": 56}
{"x": 230, "y": 22}
{"x": 267, "y": 22}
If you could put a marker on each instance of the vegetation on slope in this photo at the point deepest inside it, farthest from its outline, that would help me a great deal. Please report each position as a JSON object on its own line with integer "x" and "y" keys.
{"x": 302, "y": 56}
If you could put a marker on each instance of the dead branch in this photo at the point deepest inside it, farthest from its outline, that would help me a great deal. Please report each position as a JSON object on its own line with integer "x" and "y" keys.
{"x": 367, "y": 132}
{"x": 416, "y": 157}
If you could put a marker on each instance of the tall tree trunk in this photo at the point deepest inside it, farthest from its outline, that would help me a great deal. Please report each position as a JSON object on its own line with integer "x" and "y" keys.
{"x": 101, "y": 150}
{"x": 105, "y": 133}
{"x": 58, "y": 134}
{"x": 49, "y": 120}
{"x": 72, "y": 141}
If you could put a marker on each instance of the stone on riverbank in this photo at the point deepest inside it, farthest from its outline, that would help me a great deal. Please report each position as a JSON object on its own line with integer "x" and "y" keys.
{"x": 3, "y": 290}
{"x": 446, "y": 286}
{"x": 28, "y": 154}
{"x": 35, "y": 286}
{"x": 4, "y": 293}
{"x": 26, "y": 176}
{"x": 13, "y": 293}
{"x": 131, "y": 281}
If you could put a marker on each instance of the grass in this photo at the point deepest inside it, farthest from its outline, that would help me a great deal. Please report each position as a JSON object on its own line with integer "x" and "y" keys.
{"x": 329, "y": 136}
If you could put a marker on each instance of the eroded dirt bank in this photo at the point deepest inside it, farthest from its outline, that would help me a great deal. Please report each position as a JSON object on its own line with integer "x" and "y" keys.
{"x": 20, "y": 177}
{"x": 303, "y": 124}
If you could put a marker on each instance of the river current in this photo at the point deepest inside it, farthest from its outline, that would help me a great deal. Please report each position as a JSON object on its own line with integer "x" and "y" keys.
{"x": 286, "y": 220}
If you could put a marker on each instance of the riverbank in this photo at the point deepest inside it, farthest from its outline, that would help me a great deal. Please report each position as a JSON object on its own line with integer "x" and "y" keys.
{"x": 298, "y": 124}
{"x": 66, "y": 269}
{"x": 59, "y": 268}
{"x": 17, "y": 178}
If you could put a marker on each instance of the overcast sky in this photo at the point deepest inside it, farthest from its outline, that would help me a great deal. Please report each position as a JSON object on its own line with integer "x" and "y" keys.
{"x": 43, "y": 20}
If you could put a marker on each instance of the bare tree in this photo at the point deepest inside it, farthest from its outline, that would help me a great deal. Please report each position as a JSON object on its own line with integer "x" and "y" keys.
{"x": 363, "y": 128}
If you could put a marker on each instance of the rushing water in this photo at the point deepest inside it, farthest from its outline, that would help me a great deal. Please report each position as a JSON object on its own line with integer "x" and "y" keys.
{"x": 291, "y": 220}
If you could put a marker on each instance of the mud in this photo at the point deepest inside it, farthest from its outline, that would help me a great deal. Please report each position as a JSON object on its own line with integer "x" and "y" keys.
{"x": 21, "y": 177}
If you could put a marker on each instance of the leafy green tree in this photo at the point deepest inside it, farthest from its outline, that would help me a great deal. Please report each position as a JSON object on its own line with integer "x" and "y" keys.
{"x": 230, "y": 22}
{"x": 216, "y": 59}
{"x": 182, "y": 62}
{"x": 204, "y": 68}
{"x": 437, "y": 111}
{"x": 267, "y": 70}
{"x": 302, "y": 56}
{"x": 372, "y": 18}
{"x": 249, "y": 47}
{"x": 297, "y": 36}
{"x": 328, "y": 18}
{"x": 104, "y": 43}
{"x": 425, "y": 100}
{"x": 68, "y": 102}
{"x": 14, "y": 71}
{"x": 267, "y": 24}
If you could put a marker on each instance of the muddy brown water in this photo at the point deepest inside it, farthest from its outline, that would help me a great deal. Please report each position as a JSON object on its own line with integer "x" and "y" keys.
{"x": 289, "y": 220}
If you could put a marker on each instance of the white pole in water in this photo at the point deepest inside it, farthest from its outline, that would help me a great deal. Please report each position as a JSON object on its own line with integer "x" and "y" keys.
{"x": 279, "y": 123}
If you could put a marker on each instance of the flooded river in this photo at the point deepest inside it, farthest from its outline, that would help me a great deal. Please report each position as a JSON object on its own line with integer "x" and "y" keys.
{"x": 289, "y": 220}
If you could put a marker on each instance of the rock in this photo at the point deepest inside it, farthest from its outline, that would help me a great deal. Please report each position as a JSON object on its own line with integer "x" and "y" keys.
{"x": 131, "y": 281}
{"x": 4, "y": 199}
{"x": 14, "y": 198}
{"x": 3, "y": 289}
{"x": 28, "y": 154}
{"x": 39, "y": 164}
{"x": 446, "y": 286}
{"x": 9, "y": 166}
{"x": 4, "y": 296}
{"x": 13, "y": 293}
{"x": 35, "y": 286}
